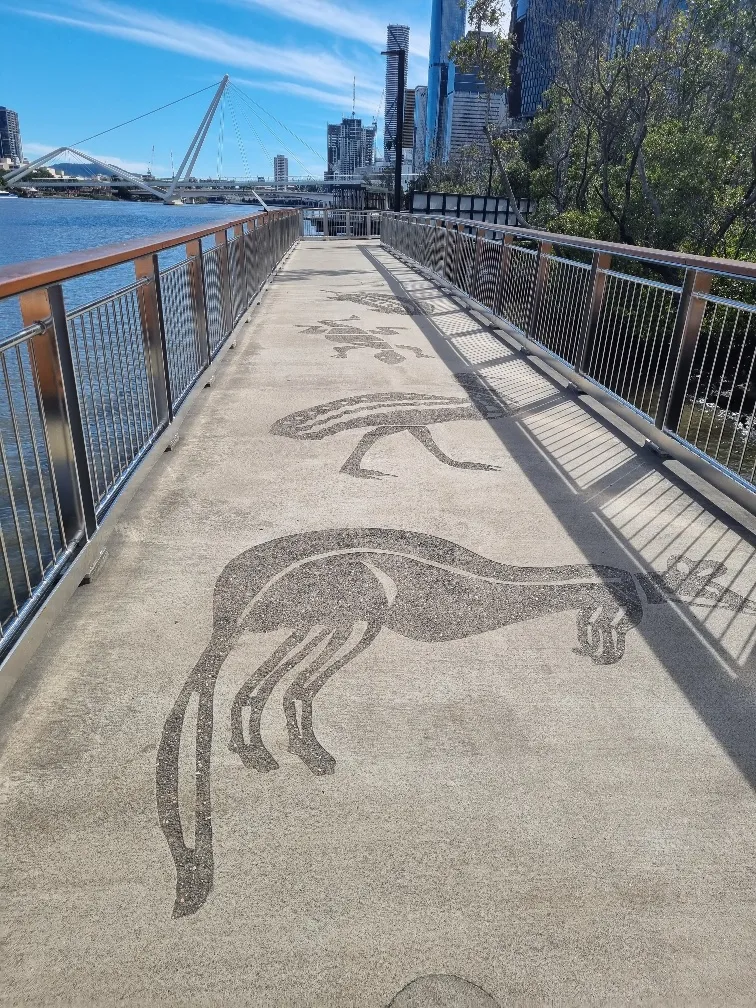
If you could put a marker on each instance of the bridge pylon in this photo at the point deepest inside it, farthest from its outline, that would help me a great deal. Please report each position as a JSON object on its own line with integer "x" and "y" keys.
{"x": 176, "y": 187}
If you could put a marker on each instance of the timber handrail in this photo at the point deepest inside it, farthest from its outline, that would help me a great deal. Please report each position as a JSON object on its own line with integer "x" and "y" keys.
{"x": 665, "y": 257}
{"x": 19, "y": 277}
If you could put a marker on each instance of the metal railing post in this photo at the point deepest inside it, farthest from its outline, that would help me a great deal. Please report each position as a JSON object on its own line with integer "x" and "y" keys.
{"x": 197, "y": 287}
{"x": 600, "y": 263}
{"x": 542, "y": 271}
{"x": 325, "y": 222}
{"x": 690, "y": 312}
{"x": 221, "y": 243}
{"x": 153, "y": 329}
{"x": 505, "y": 258}
{"x": 60, "y": 404}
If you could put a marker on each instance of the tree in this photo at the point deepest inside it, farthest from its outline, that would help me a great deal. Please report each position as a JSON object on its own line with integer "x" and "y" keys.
{"x": 648, "y": 134}
{"x": 487, "y": 51}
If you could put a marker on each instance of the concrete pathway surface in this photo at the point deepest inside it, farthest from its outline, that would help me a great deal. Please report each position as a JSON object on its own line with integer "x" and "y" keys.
{"x": 410, "y": 680}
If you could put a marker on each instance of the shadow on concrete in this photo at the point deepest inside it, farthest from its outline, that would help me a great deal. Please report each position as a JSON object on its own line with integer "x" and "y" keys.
{"x": 287, "y": 276}
{"x": 617, "y": 502}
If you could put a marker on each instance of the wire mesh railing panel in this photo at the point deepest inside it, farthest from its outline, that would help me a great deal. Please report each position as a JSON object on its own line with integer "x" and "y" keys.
{"x": 429, "y": 245}
{"x": 414, "y": 239}
{"x": 184, "y": 350}
{"x": 516, "y": 301}
{"x": 438, "y": 249}
{"x": 237, "y": 278}
{"x": 251, "y": 268}
{"x": 465, "y": 263}
{"x": 450, "y": 273}
{"x": 560, "y": 315}
{"x": 216, "y": 307}
{"x": 719, "y": 404}
{"x": 488, "y": 272}
{"x": 31, "y": 536}
{"x": 113, "y": 382}
{"x": 631, "y": 345}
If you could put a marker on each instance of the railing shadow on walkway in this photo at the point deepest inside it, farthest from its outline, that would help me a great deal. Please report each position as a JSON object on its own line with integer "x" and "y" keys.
{"x": 614, "y": 500}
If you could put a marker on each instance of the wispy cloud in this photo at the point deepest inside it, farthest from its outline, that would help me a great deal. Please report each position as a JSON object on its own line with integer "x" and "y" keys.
{"x": 366, "y": 102}
{"x": 202, "y": 41}
{"x": 38, "y": 149}
{"x": 353, "y": 23}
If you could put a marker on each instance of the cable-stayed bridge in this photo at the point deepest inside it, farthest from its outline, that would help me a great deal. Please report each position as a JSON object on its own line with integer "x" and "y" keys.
{"x": 183, "y": 185}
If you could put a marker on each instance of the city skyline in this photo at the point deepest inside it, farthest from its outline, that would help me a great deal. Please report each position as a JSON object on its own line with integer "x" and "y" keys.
{"x": 297, "y": 60}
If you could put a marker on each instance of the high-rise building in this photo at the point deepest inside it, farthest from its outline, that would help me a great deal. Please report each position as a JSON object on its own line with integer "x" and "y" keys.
{"x": 397, "y": 37}
{"x": 448, "y": 21}
{"x": 281, "y": 170}
{"x": 10, "y": 136}
{"x": 421, "y": 129}
{"x": 472, "y": 108}
{"x": 535, "y": 27}
{"x": 350, "y": 147}
{"x": 470, "y": 112}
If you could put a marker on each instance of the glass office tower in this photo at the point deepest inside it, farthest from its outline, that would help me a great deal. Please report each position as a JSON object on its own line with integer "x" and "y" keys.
{"x": 397, "y": 37}
{"x": 448, "y": 21}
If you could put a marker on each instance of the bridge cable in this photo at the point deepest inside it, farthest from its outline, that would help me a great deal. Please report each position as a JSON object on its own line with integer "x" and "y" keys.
{"x": 239, "y": 140}
{"x": 283, "y": 125}
{"x": 308, "y": 173}
{"x": 144, "y": 115}
{"x": 259, "y": 138}
{"x": 283, "y": 145}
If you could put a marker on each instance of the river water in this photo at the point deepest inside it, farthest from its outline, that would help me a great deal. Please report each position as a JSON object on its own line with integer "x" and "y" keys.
{"x": 35, "y": 228}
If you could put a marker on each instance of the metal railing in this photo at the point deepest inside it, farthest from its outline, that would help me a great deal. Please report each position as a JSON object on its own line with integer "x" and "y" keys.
{"x": 85, "y": 393}
{"x": 329, "y": 223}
{"x": 669, "y": 336}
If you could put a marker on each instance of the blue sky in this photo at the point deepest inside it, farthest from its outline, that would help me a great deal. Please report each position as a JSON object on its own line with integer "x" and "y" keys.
{"x": 73, "y": 68}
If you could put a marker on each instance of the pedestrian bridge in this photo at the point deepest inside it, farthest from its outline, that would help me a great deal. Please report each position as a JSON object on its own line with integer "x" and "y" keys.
{"x": 420, "y": 670}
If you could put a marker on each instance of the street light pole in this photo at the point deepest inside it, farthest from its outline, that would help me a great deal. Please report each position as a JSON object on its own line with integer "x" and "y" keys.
{"x": 402, "y": 61}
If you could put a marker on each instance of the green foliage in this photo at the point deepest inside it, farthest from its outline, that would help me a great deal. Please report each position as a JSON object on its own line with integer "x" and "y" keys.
{"x": 648, "y": 134}
{"x": 486, "y": 50}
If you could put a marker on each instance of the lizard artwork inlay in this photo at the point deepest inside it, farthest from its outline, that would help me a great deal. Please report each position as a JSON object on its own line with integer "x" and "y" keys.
{"x": 348, "y": 336}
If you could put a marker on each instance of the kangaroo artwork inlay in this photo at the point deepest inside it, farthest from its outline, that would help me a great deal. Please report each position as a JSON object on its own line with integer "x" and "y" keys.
{"x": 385, "y": 413}
{"x": 348, "y": 336}
{"x": 332, "y": 592}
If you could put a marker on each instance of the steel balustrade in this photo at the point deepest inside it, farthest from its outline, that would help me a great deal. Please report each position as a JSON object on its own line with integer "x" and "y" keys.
{"x": 85, "y": 393}
{"x": 666, "y": 338}
{"x": 329, "y": 223}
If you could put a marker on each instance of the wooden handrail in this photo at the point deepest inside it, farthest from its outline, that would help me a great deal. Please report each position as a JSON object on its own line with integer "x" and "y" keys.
{"x": 665, "y": 257}
{"x": 24, "y": 276}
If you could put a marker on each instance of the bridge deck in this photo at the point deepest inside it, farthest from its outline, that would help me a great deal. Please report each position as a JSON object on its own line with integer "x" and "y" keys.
{"x": 512, "y": 802}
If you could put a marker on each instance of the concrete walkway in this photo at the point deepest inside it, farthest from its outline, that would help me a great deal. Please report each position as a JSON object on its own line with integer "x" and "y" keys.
{"x": 470, "y": 720}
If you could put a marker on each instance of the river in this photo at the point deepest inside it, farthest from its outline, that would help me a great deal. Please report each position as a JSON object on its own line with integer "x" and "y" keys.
{"x": 35, "y": 228}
